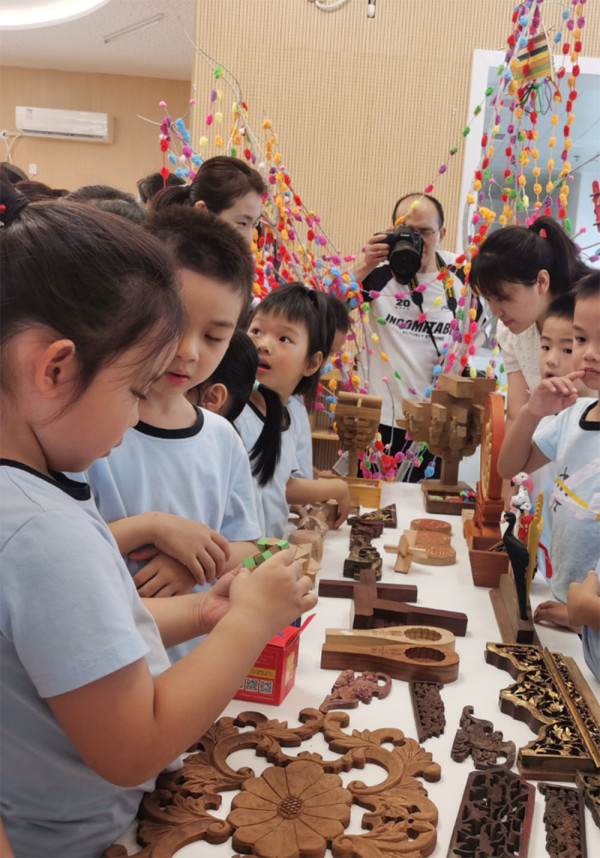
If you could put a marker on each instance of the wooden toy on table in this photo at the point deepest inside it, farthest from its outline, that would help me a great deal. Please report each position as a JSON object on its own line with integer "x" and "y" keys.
{"x": 401, "y": 661}
{"x": 450, "y": 423}
{"x": 268, "y": 546}
{"x": 429, "y": 547}
{"x": 311, "y": 531}
{"x": 385, "y": 516}
{"x": 378, "y": 605}
{"x": 362, "y": 532}
{"x": 441, "y": 638}
{"x": 482, "y": 531}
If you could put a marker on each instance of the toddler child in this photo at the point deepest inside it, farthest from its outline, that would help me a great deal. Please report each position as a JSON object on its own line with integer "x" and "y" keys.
{"x": 90, "y": 318}
{"x": 291, "y": 331}
{"x": 570, "y": 441}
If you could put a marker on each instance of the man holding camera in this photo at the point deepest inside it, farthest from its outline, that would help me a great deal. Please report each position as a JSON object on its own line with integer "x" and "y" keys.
{"x": 399, "y": 273}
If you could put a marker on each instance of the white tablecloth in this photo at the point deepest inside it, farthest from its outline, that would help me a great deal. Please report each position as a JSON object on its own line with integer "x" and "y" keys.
{"x": 478, "y": 684}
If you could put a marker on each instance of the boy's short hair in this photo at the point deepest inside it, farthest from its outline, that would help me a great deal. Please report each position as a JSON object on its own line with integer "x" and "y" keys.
{"x": 204, "y": 243}
{"x": 588, "y": 286}
{"x": 338, "y": 312}
{"x": 562, "y": 307}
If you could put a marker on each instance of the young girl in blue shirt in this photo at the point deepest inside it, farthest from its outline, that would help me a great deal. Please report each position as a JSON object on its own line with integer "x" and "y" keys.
{"x": 91, "y": 318}
{"x": 292, "y": 331}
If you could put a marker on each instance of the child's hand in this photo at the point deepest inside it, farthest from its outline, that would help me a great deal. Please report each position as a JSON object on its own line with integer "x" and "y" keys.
{"x": 553, "y": 395}
{"x": 553, "y": 614}
{"x": 200, "y": 549}
{"x": 339, "y": 491}
{"x": 163, "y": 576}
{"x": 274, "y": 594}
{"x": 583, "y": 601}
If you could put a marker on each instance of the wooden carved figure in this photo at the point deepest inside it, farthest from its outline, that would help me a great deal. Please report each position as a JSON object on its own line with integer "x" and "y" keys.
{"x": 482, "y": 531}
{"x": 450, "y": 422}
{"x": 362, "y": 557}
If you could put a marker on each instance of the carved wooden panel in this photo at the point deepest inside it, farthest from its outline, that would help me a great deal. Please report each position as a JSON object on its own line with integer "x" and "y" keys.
{"x": 477, "y": 738}
{"x": 428, "y": 708}
{"x": 298, "y": 799}
{"x": 589, "y": 786}
{"x": 564, "y": 820}
{"x": 494, "y": 818}
{"x": 553, "y": 698}
{"x": 349, "y": 689}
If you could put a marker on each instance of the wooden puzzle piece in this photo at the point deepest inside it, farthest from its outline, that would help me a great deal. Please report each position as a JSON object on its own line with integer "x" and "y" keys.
{"x": 441, "y": 638}
{"x": 401, "y": 661}
{"x": 268, "y": 547}
{"x": 310, "y": 566}
{"x": 378, "y": 605}
{"x": 428, "y": 708}
{"x": 494, "y": 817}
{"x": 477, "y": 738}
{"x": 431, "y": 548}
{"x": 312, "y": 538}
{"x": 349, "y": 689}
{"x": 564, "y": 819}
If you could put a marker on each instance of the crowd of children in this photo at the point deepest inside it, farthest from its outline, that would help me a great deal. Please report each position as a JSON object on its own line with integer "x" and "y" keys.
{"x": 155, "y": 425}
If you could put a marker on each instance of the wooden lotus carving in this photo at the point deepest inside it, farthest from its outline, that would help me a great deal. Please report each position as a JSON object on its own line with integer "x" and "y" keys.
{"x": 303, "y": 789}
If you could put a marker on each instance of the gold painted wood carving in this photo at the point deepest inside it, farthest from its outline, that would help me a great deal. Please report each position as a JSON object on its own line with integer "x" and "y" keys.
{"x": 553, "y": 698}
{"x": 297, "y": 806}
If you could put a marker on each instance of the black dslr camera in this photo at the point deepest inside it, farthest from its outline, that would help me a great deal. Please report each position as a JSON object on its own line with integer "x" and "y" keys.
{"x": 406, "y": 249}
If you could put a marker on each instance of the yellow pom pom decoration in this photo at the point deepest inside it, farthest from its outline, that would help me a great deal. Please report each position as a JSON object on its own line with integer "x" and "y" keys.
{"x": 375, "y": 338}
{"x": 203, "y": 142}
{"x": 537, "y": 188}
{"x": 218, "y": 118}
{"x": 266, "y": 124}
{"x": 522, "y": 180}
{"x": 332, "y": 385}
{"x": 218, "y": 141}
{"x": 470, "y": 199}
{"x": 437, "y": 302}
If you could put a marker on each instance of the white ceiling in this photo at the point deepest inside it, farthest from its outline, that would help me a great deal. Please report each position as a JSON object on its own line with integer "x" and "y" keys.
{"x": 161, "y": 50}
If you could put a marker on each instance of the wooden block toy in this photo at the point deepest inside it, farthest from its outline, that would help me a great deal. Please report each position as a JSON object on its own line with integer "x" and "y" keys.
{"x": 378, "y": 605}
{"x": 268, "y": 547}
{"x": 429, "y": 547}
{"x": 312, "y": 538}
{"x": 441, "y": 638}
{"x": 401, "y": 661}
{"x": 362, "y": 557}
{"x": 310, "y": 566}
{"x": 349, "y": 689}
{"x": 357, "y": 418}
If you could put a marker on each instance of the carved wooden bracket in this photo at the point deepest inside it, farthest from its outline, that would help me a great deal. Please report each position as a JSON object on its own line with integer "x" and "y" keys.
{"x": 477, "y": 738}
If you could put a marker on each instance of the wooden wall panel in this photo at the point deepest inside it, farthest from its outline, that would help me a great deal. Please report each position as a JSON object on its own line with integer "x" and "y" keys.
{"x": 67, "y": 164}
{"x": 365, "y": 110}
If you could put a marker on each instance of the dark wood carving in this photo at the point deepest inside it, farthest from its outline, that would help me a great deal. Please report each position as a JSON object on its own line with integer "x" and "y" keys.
{"x": 477, "y": 738}
{"x": 428, "y": 708}
{"x": 386, "y": 516}
{"x": 299, "y": 798}
{"x": 379, "y": 605}
{"x": 589, "y": 786}
{"x": 362, "y": 532}
{"x": 402, "y": 661}
{"x": 349, "y": 689}
{"x": 553, "y": 698}
{"x": 362, "y": 557}
{"x": 564, "y": 820}
{"x": 494, "y": 818}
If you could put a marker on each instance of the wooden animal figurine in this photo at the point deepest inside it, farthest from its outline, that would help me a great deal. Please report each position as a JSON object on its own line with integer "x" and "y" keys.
{"x": 349, "y": 689}
{"x": 401, "y": 661}
{"x": 519, "y": 560}
{"x": 521, "y": 502}
{"x": 441, "y": 638}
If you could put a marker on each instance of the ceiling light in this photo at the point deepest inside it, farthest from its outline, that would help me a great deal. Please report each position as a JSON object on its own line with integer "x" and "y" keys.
{"x": 133, "y": 28}
{"x": 28, "y": 14}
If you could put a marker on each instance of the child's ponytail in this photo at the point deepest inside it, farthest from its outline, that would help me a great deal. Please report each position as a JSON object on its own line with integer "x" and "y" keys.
{"x": 265, "y": 453}
{"x": 566, "y": 266}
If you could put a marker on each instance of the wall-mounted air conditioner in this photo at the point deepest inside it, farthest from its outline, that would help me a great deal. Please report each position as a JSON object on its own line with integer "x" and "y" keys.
{"x": 64, "y": 124}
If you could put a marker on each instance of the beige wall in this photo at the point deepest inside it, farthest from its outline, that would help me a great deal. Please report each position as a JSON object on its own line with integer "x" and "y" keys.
{"x": 65, "y": 164}
{"x": 365, "y": 110}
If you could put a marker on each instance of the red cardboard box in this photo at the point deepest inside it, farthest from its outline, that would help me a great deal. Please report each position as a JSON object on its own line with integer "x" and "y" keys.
{"x": 274, "y": 671}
